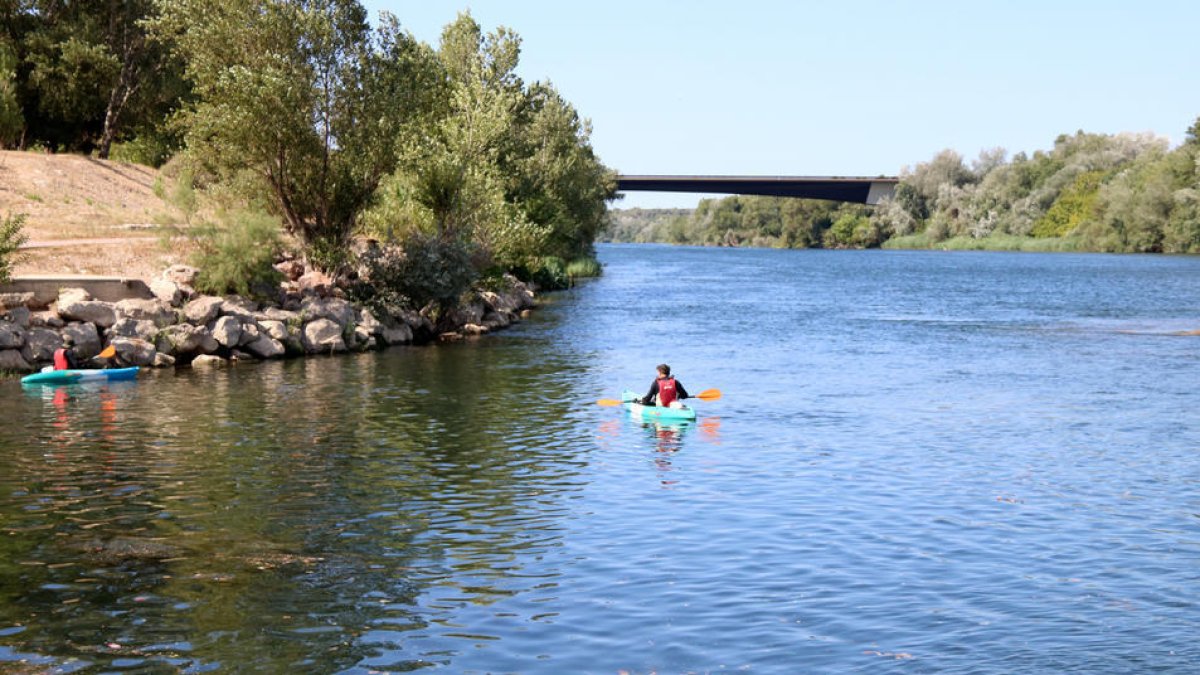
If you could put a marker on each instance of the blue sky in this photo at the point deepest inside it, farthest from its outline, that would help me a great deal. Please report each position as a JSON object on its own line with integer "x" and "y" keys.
{"x": 858, "y": 88}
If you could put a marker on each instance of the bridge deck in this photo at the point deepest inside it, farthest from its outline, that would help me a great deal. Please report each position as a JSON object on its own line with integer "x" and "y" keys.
{"x": 858, "y": 189}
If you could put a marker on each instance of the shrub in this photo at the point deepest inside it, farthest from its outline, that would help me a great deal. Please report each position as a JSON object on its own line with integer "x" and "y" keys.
{"x": 239, "y": 256}
{"x": 11, "y": 238}
{"x": 422, "y": 270}
{"x": 583, "y": 268}
{"x": 549, "y": 273}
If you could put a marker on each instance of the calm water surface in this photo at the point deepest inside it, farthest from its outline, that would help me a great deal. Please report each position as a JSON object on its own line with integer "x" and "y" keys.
{"x": 922, "y": 462}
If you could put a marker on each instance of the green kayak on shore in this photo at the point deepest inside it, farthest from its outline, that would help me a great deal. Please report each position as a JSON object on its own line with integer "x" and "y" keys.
{"x": 656, "y": 413}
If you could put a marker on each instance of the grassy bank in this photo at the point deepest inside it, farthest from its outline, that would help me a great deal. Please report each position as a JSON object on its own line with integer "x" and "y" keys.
{"x": 1003, "y": 242}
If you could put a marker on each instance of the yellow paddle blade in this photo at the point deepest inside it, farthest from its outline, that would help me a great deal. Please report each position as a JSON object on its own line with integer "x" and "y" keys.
{"x": 709, "y": 395}
{"x": 608, "y": 402}
{"x": 109, "y": 352}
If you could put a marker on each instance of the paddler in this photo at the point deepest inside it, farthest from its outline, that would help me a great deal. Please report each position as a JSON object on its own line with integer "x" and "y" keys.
{"x": 665, "y": 389}
{"x": 64, "y": 356}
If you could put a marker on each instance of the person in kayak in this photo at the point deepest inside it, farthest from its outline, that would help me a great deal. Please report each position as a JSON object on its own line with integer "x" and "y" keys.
{"x": 64, "y": 357}
{"x": 665, "y": 389}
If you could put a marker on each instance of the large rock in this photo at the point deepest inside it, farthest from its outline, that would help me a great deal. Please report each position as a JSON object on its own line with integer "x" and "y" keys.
{"x": 274, "y": 329}
{"x": 227, "y": 331}
{"x": 203, "y": 309}
{"x": 167, "y": 291}
{"x": 276, "y": 314}
{"x": 241, "y": 308}
{"x": 395, "y": 334}
{"x": 86, "y": 338}
{"x": 102, "y": 314}
{"x": 46, "y": 319}
{"x": 133, "y": 351}
{"x": 315, "y": 283}
{"x": 12, "y": 336}
{"x": 208, "y": 360}
{"x": 162, "y": 360}
{"x": 335, "y": 309}
{"x": 41, "y": 343}
{"x": 18, "y": 315}
{"x": 250, "y": 333}
{"x": 180, "y": 274}
{"x": 72, "y": 295}
{"x": 144, "y": 330}
{"x": 12, "y": 361}
{"x": 20, "y": 299}
{"x": 323, "y": 336}
{"x": 266, "y": 347}
{"x": 155, "y": 310}
{"x": 186, "y": 339}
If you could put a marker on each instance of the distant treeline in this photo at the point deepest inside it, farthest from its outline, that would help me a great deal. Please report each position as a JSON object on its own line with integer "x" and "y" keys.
{"x": 1091, "y": 192}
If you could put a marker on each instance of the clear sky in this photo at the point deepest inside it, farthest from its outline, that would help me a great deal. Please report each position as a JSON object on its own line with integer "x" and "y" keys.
{"x": 853, "y": 88}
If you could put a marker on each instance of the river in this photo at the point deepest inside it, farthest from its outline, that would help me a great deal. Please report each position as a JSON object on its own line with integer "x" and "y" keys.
{"x": 921, "y": 462}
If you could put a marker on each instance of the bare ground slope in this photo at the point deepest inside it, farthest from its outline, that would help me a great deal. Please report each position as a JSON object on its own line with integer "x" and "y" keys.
{"x": 72, "y": 197}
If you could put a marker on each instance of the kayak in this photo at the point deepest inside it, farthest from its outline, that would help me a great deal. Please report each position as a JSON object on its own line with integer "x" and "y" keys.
{"x": 90, "y": 375}
{"x": 657, "y": 413}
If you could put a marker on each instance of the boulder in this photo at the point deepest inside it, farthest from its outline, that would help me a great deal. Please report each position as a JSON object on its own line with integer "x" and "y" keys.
{"x": 18, "y": 315}
{"x": 474, "y": 329}
{"x": 238, "y": 307}
{"x": 291, "y": 270}
{"x": 134, "y": 351}
{"x": 335, "y": 309}
{"x": 276, "y": 314}
{"x": 72, "y": 295}
{"x": 275, "y": 329}
{"x": 250, "y": 333}
{"x": 102, "y": 314}
{"x": 323, "y": 336}
{"x": 494, "y": 320}
{"x": 227, "y": 331}
{"x": 12, "y": 361}
{"x": 207, "y": 360}
{"x": 395, "y": 335}
{"x": 145, "y": 330}
{"x": 86, "y": 337}
{"x": 203, "y": 309}
{"x": 12, "y": 336}
{"x": 42, "y": 342}
{"x": 181, "y": 274}
{"x": 315, "y": 283}
{"x": 46, "y": 320}
{"x": 22, "y": 299}
{"x": 362, "y": 337}
{"x": 167, "y": 291}
{"x": 186, "y": 339}
{"x": 499, "y": 303}
{"x": 266, "y": 347}
{"x": 162, "y": 360}
{"x": 146, "y": 310}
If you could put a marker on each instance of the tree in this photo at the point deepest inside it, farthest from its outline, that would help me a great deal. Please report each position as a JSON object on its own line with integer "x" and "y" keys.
{"x": 11, "y": 120}
{"x": 302, "y": 99}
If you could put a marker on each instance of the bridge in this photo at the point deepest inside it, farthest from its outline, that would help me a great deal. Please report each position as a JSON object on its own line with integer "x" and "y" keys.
{"x": 858, "y": 189}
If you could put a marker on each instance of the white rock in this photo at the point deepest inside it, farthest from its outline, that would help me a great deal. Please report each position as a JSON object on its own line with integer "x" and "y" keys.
{"x": 266, "y": 347}
{"x": 146, "y": 310}
{"x": 167, "y": 291}
{"x": 163, "y": 360}
{"x": 207, "y": 360}
{"x": 181, "y": 274}
{"x": 335, "y": 309}
{"x": 145, "y": 330}
{"x": 250, "y": 333}
{"x": 227, "y": 331}
{"x": 323, "y": 336}
{"x": 100, "y": 313}
{"x": 134, "y": 351}
{"x": 203, "y": 309}
{"x": 276, "y": 329}
{"x": 186, "y": 339}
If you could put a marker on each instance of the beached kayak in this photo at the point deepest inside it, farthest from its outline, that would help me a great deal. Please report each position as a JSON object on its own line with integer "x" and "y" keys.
{"x": 653, "y": 412}
{"x": 70, "y": 376}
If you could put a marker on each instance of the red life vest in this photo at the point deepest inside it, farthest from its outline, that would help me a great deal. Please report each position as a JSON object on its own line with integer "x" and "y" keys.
{"x": 60, "y": 359}
{"x": 666, "y": 390}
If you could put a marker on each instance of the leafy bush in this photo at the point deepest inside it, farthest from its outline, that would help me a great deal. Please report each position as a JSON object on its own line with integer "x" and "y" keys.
{"x": 422, "y": 270}
{"x": 11, "y": 238}
{"x": 583, "y": 268}
{"x": 147, "y": 149}
{"x": 549, "y": 273}
{"x": 238, "y": 256}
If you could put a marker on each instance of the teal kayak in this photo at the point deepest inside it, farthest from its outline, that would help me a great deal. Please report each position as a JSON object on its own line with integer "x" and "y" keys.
{"x": 656, "y": 413}
{"x": 71, "y": 376}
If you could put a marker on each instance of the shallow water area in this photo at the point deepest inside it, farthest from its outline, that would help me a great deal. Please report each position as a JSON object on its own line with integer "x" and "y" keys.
{"x": 921, "y": 462}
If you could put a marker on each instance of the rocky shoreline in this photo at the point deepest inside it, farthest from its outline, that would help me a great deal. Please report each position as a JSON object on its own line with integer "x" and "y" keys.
{"x": 179, "y": 327}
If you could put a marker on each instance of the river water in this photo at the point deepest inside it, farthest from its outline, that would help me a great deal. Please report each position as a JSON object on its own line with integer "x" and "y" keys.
{"x": 921, "y": 462}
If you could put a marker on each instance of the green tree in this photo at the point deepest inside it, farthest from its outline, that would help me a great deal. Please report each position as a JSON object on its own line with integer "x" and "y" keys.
{"x": 11, "y": 238}
{"x": 11, "y": 119}
{"x": 298, "y": 104}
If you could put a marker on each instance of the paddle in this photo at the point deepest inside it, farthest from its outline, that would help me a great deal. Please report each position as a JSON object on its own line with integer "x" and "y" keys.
{"x": 706, "y": 395}
{"x": 109, "y": 352}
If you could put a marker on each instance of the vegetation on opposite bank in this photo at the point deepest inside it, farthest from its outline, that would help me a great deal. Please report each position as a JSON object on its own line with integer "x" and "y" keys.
{"x": 1091, "y": 192}
{"x": 299, "y": 118}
